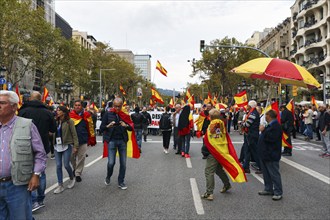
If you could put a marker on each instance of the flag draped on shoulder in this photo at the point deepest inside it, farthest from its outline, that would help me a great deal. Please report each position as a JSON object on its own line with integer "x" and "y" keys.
{"x": 220, "y": 146}
{"x": 155, "y": 95}
{"x": 122, "y": 90}
{"x": 161, "y": 69}
{"x": 313, "y": 102}
{"x": 241, "y": 99}
{"x": 188, "y": 95}
{"x": 132, "y": 146}
{"x": 199, "y": 123}
{"x": 87, "y": 117}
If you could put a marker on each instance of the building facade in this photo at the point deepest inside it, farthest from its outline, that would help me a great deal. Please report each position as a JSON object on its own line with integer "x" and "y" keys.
{"x": 257, "y": 36}
{"x": 85, "y": 40}
{"x": 128, "y": 55}
{"x": 142, "y": 62}
{"x": 310, "y": 26}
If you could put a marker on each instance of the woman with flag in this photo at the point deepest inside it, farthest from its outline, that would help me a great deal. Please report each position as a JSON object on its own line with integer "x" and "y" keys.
{"x": 221, "y": 155}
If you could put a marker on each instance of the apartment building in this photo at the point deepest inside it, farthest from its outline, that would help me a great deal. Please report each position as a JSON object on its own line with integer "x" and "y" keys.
{"x": 85, "y": 40}
{"x": 128, "y": 55}
{"x": 310, "y": 26}
{"x": 143, "y": 63}
{"x": 257, "y": 36}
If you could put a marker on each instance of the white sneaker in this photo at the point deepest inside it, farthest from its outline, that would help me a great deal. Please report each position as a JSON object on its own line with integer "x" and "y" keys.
{"x": 71, "y": 183}
{"x": 166, "y": 151}
{"x": 59, "y": 189}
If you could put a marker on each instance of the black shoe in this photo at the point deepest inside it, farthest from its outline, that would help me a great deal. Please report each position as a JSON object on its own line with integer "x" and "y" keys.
{"x": 247, "y": 170}
{"x": 140, "y": 150}
{"x": 254, "y": 166}
{"x": 204, "y": 157}
{"x": 286, "y": 154}
{"x": 78, "y": 179}
{"x": 265, "y": 193}
{"x": 178, "y": 152}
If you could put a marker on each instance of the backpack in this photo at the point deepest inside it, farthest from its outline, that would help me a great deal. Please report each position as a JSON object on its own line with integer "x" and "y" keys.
{"x": 165, "y": 122}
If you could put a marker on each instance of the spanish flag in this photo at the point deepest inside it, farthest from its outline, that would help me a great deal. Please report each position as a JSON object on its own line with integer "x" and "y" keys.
{"x": 161, "y": 69}
{"x": 122, "y": 90}
{"x": 171, "y": 104}
{"x": 188, "y": 95}
{"x": 20, "y": 100}
{"x": 132, "y": 146}
{"x": 290, "y": 106}
{"x": 285, "y": 137}
{"x": 209, "y": 99}
{"x": 191, "y": 100}
{"x": 87, "y": 117}
{"x": 199, "y": 123}
{"x": 220, "y": 146}
{"x": 313, "y": 102}
{"x": 241, "y": 99}
{"x": 215, "y": 100}
{"x": 45, "y": 95}
{"x": 155, "y": 95}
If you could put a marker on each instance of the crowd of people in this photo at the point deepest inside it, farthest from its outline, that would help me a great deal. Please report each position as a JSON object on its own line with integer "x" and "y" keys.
{"x": 30, "y": 133}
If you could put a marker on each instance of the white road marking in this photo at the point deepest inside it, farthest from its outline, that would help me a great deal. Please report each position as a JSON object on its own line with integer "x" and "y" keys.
{"x": 188, "y": 163}
{"x": 257, "y": 177}
{"x": 94, "y": 161}
{"x": 55, "y": 185}
{"x": 197, "y": 197}
{"x": 306, "y": 170}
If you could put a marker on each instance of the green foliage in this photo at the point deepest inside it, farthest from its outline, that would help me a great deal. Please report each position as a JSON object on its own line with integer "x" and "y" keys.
{"x": 216, "y": 63}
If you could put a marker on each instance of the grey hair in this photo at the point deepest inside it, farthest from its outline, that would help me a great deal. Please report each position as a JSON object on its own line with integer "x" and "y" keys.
{"x": 252, "y": 103}
{"x": 12, "y": 96}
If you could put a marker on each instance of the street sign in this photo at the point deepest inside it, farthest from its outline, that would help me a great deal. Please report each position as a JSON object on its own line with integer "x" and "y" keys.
{"x": 2, "y": 81}
{"x": 10, "y": 86}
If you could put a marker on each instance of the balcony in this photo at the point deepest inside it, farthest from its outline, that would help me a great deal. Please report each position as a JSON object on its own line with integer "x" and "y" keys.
{"x": 309, "y": 23}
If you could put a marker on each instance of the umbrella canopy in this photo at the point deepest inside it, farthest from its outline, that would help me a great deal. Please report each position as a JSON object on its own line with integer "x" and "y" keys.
{"x": 278, "y": 71}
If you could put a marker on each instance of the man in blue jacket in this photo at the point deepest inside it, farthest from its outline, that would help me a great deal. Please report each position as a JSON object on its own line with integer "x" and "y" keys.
{"x": 270, "y": 146}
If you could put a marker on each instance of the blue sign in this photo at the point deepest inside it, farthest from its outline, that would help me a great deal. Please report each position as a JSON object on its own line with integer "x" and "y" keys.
{"x": 10, "y": 86}
{"x": 2, "y": 81}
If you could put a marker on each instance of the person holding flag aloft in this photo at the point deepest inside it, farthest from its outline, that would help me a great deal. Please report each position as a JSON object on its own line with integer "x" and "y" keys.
{"x": 221, "y": 154}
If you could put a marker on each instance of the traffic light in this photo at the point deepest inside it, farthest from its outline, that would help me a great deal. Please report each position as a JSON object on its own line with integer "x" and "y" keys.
{"x": 202, "y": 46}
{"x": 283, "y": 91}
{"x": 294, "y": 90}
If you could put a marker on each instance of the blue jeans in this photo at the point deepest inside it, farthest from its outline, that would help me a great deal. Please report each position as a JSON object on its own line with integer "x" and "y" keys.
{"x": 272, "y": 176}
{"x": 309, "y": 131}
{"x": 138, "y": 135}
{"x": 185, "y": 143}
{"x": 38, "y": 195}
{"x": 66, "y": 159}
{"x": 113, "y": 146}
{"x": 15, "y": 202}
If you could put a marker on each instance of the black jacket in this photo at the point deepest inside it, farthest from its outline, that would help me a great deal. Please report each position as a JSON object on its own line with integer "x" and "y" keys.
{"x": 41, "y": 117}
{"x": 287, "y": 121}
{"x": 107, "y": 132}
{"x": 147, "y": 118}
{"x": 270, "y": 142}
{"x": 138, "y": 120}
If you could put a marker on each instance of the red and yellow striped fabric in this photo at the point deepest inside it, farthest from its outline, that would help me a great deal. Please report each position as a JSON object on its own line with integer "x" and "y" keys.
{"x": 161, "y": 69}
{"x": 132, "y": 146}
{"x": 241, "y": 99}
{"x": 45, "y": 95}
{"x": 220, "y": 146}
{"x": 89, "y": 123}
{"x": 156, "y": 97}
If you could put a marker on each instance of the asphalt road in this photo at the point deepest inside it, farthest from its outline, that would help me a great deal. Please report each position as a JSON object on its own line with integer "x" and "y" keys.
{"x": 168, "y": 186}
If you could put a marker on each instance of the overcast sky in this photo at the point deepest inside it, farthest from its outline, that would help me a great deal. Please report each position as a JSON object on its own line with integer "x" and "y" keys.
{"x": 170, "y": 31}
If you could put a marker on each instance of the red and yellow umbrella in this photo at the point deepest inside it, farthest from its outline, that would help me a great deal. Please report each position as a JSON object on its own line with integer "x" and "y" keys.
{"x": 278, "y": 71}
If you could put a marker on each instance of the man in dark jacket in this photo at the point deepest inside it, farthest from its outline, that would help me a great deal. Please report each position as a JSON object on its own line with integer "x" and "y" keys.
{"x": 138, "y": 120}
{"x": 114, "y": 131}
{"x": 86, "y": 135}
{"x": 287, "y": 127}
{"x": 251, "y": 136}
{"x": 270, "y": 145}
{"x": 324, "y": 126}
{"x": 44, "y": 120}
{"x": 146, "y": 123}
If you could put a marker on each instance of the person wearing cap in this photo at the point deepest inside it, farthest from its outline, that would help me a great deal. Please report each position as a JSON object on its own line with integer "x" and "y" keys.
{"x": 287, "y": 127}
{"x": 251, "y": 136}
{"x": 22, "y": 159}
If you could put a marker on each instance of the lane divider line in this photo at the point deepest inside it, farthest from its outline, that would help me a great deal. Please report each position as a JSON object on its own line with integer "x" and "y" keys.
{"x": 308, "y": 171}
{"x": 197, "y": 197}
{"x": 188, "y": 163}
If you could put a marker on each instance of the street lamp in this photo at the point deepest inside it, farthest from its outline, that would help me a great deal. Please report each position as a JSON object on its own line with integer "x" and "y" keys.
{"x": 112, "y": 69}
